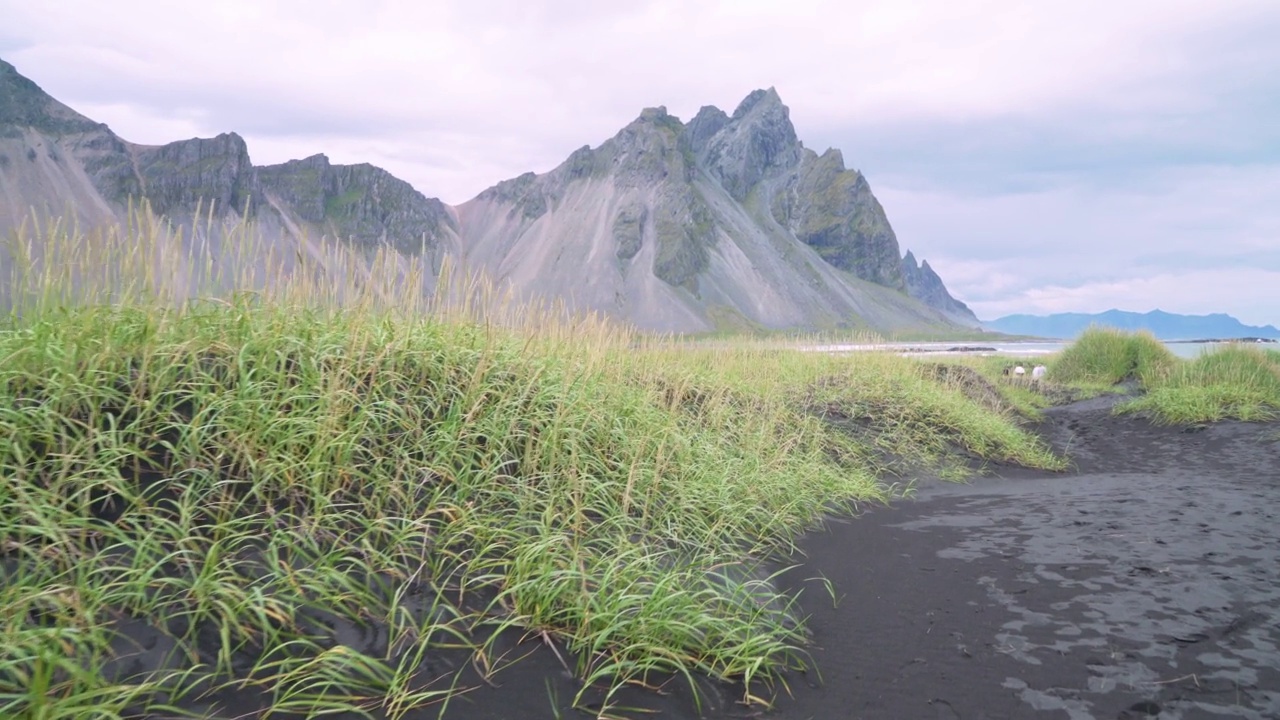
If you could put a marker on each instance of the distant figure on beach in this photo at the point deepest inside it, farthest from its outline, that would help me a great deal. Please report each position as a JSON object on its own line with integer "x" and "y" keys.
{"x": 1038, "y": 372}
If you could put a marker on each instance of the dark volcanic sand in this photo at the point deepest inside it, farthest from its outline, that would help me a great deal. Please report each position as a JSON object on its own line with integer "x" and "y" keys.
{"x": 1144, "y": 584}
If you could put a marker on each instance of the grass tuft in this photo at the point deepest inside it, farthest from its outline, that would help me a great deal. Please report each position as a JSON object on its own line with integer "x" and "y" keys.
{"x": 1237, "y": 382}
{"x": 1105, "y": 356}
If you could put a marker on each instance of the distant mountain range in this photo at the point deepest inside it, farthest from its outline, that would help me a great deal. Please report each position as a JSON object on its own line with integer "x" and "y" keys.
{"x": 1166, "y": 326}
{"x": 726, "y": 221}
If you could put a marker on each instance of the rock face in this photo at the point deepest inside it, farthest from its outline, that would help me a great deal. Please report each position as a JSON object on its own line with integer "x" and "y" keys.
{"x": 924, "y": 285}
{"x": 832, "y": 210}
{"x": 361, "y": 203}
{"x": 727, "y": 222}
{"x": 757, "y": 142}
{"x": 181, "y": 175}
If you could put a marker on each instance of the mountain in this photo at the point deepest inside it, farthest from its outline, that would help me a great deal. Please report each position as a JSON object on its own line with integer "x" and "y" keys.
{"x": 925, "y": 285}
{"x": 1166, "y": 326}
{"x": 726, "y": 222}
{"x": 54, "y": 161}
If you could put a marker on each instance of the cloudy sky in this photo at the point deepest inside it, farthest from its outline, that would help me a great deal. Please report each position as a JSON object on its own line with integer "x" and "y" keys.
{"x": 1044, "y": 157}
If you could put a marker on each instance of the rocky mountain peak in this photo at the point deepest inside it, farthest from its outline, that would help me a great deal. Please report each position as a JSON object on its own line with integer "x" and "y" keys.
{"x": 651, "y": 120}
{"x": 835, "y": 158}
{"x": 319, "y": 161}
{"x": 766, "y": 99}
{"x": 653, "y": 147}
{"x": 709, "y": 121}
{"x": 757, "y": 141}
{"x": 360, "y": 203}
{"x": 659, "y": 116}
{"x": 181, "y": 175}
{"x": 923, "y": 284}
{"x": 832, "y": 209}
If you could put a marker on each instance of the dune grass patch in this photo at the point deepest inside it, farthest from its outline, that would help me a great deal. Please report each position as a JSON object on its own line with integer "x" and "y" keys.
{"x": 1105, "y": 356}
{"x": 1236, "y": 382}
{"x": 332, "y": 494}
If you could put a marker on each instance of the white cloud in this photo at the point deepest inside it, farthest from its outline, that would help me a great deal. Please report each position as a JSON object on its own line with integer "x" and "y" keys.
{"x": 1249, "y": 294}
{"x": 1016, "y": 146}
{"x": 1217, "y": 228}
{"x": 568, "y": 73}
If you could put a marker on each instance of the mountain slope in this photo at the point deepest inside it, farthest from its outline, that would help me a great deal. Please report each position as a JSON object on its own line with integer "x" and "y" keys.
{"x": 1166, "y": 326}
{"x": 51, "y": 157}
{"x": 728, "y": 222}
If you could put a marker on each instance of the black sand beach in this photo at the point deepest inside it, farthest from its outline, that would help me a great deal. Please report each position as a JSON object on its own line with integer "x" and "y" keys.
{"x": 1143, "y": 584}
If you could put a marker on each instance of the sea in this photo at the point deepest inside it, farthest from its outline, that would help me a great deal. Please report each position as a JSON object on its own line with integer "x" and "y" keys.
{"x": 1189, "y": 350}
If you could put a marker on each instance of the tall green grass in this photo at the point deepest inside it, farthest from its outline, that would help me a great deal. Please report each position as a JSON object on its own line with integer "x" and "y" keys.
{"x": 350, "y": 443}
{"x": 1106, "y": 356}
{"x": 1237, "y": 382}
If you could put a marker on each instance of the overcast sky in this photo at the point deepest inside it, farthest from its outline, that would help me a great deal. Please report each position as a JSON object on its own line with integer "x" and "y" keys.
{"x": 1043, "y": 156}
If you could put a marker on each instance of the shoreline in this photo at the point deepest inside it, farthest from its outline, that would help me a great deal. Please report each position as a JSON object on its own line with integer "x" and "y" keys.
{"x": 1015, "y": 348}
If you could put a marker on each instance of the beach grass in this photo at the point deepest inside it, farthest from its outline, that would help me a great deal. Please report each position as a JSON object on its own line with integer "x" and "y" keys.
{"x": 1105, "y": 356}
{"x": 1237, "y": 381}
{"x": 252, "y": 455}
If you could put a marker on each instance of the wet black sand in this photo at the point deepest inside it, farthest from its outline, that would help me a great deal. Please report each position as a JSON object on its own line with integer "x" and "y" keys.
{"x": 1145, "y": 583}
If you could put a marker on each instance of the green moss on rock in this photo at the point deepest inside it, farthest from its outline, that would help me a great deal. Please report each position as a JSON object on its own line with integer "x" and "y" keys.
{"x": 685, "y": 230}
{"x": 358, "y": 203}
{"x": 628, "y": 231}
{"x": 833, "y": 211}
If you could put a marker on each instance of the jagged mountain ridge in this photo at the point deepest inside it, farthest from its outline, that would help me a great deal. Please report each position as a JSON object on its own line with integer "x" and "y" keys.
{"x": 727, "y": 221}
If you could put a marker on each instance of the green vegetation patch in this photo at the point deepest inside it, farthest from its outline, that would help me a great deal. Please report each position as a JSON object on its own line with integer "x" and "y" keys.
{"x": 891, "y": 417}
{"x": 923, "y": 418}
{"x": 343, "y": 205}
{"x": 1107, "y": 356}
{"x": 1239, "y": 382}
